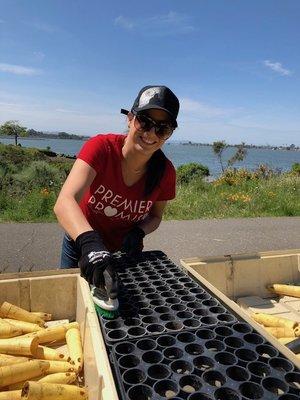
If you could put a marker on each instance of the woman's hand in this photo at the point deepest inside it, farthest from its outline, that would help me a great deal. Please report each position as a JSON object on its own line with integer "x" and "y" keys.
{"x": 94, "y": 256}
{"x": 133, "y": 241}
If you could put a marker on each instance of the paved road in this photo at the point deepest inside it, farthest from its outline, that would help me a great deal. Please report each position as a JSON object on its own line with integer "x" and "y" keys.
{"x": 26, "y": 247}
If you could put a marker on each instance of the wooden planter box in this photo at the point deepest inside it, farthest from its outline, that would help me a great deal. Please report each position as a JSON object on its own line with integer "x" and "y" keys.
{"x": 65, "y": 295}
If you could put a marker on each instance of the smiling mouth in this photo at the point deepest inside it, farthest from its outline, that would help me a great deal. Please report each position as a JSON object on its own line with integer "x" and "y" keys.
{"x": 147, "y": 141}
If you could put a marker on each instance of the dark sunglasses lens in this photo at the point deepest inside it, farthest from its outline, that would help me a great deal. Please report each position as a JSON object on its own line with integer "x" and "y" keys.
{"x": 164, "y": 131}
{"x": 161, "y": 130}
{"x": 145, "y": 123}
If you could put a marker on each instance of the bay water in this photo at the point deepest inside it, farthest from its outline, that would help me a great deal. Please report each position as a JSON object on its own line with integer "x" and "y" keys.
{"x": 180, "y": 153}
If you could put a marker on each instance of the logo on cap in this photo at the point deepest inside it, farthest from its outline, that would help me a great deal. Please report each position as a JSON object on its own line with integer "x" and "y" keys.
{"x": 148, "y": 95}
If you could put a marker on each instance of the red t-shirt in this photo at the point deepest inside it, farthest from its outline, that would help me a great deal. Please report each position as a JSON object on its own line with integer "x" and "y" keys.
{"x": 111, "y": 207}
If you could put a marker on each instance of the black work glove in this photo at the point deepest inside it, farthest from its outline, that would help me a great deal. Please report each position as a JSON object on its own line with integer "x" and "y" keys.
{"x": 94, "y": 256}
{"x": 133, "y": 241}
{"x": 106, "y": 283}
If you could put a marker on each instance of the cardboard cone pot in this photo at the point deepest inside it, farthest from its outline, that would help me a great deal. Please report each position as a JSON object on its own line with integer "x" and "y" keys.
{"x": 48, "y": 391}
{"x": 11, "y": 395}
{"x": 6, "y": 359}
{"x": 54, "y": 333}
{"x": 271, "y": 320}
{"x": 75, "y": 348}
{"x": 59, "y": 366}
{"x": 19, "y": 385}
{"x": 65, "y": 378}
{"x": 42, "y": 315}
{"x": 21, "y": 372}
{"x": 280, "y": 332}
{"x": 23, "y": 326}
{"x": 19, "y": 346}
{"x": 8, "y": 330}
{"x": 8, "y": 310}
{"x": 61, "y": 377}
{"x": 46, "y": 353}
{"x": 288, "y": 290}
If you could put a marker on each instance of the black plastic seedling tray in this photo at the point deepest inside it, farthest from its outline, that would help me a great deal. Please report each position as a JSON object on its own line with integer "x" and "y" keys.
{"x": 174, "y": 340}
{"x": 157, "y": 297}
{"x": 224, "y": 363}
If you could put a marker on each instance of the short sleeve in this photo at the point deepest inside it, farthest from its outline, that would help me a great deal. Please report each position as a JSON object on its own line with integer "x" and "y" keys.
{"x": 168, "y": 183}
{"x": 94, "y": 152}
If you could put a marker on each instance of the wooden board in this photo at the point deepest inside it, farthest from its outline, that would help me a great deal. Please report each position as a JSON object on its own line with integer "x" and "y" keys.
{"x": 238, "y": 276}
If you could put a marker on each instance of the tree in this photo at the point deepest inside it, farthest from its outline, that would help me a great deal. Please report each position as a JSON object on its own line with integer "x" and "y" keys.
{"x": 12, "y": 128}
{"x": 239, "y": 155}
{"x": 218, "y": 148}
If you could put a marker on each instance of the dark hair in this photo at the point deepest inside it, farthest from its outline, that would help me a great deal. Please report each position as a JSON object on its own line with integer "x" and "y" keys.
{"x": 155, "y": 171}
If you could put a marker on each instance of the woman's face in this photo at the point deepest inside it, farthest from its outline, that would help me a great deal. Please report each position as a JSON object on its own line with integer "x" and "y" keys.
{"x": 146, "y": 141}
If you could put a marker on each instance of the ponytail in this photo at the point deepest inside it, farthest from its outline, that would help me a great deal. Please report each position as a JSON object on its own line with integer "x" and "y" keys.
{"x": 155, "y": 171}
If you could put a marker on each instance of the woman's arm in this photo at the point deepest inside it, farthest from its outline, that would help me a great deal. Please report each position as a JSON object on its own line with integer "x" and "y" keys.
{"x": 67, "y": 208}
{"x": 153, "y": 220}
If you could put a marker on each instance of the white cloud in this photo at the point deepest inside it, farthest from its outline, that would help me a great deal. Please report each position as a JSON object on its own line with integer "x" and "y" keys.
{"x": 201, "y": 110}
{"x": 158, "y": 25}
{"x": 18, "y": 69}
{"x": 124, "y": 22}
{"x": 277, "y": 67}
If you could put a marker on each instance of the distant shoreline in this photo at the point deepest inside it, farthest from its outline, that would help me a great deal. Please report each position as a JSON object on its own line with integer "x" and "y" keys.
{"x": 44, "y": 138}
{"x": 249, "y": 146}
{"x": 183, "y": 143}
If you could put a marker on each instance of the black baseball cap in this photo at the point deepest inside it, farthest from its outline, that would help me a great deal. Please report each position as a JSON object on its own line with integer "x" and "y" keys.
{"x": 159, "y": 97}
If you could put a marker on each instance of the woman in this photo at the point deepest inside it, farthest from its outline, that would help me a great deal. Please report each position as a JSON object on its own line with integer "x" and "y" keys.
{"x": 119, "y": 186}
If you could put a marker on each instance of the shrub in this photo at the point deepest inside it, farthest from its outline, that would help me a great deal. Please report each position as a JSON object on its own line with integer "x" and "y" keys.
{"x": 48, "y": 152}
{"x": 296, "y": 169}
{"x": 63, "y": 166}
{"x": 188, "y": 173}
{"x": 39, "y": 174}
{"x": 234, "y": 177}
{"x": 263, "y": 171}
{"x": 19, "y": 156}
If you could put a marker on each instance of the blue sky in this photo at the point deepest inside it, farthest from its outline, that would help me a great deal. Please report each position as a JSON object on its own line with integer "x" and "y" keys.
{"x": 235, "y": 65}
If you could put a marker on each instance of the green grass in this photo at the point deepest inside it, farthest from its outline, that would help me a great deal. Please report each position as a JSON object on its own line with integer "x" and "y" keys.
{"x": 36, "y": 206}
{"x": 277, "y": 196}
{"x": 30, "y": 182}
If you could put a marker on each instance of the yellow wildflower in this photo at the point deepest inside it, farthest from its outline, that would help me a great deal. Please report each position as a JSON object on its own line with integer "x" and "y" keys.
{"x": 45, "y": 192}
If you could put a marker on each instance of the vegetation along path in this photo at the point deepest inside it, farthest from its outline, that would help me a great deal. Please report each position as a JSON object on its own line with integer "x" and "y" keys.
{"x": 30, "y": 180}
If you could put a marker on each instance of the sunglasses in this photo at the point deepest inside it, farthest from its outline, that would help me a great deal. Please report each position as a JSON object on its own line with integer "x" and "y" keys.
{"x": 144, "y": 123}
